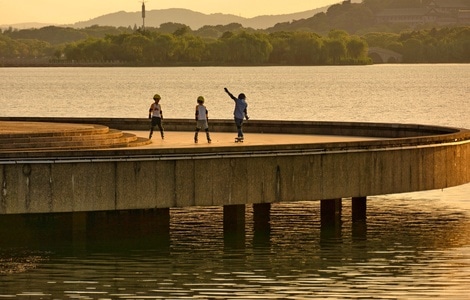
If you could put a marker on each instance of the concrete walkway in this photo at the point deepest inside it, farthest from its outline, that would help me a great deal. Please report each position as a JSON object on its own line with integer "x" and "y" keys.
{"x": 16, "y": 136}
{"x": 184, "y": 139}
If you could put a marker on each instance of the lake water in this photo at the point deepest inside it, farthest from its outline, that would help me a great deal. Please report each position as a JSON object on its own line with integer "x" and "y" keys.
{"x": 413, "y": 246}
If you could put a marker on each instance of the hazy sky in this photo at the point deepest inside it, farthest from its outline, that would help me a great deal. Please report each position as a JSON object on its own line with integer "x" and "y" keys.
{"x": 72, "y": 11}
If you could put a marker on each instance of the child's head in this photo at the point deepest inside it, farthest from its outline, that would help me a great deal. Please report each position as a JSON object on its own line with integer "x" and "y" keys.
{"x": 157, "y": 97}
{"x": 241, "y": 96}
{"x": 200, "y": 99}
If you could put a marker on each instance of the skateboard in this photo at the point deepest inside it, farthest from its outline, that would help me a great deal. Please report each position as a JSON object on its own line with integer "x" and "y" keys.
{"x": 238, "y": 140}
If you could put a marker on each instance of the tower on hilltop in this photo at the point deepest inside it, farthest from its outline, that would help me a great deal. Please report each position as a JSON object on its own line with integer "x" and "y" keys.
{"x": 143, "y": 15}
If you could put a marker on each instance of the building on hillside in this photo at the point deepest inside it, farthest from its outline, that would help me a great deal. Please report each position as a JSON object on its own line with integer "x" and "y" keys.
{"x": 441, "y": 12}
{"x": 464, "y": 16}
{"x": 449, "y": 6}
{"x": 409, "y": 16}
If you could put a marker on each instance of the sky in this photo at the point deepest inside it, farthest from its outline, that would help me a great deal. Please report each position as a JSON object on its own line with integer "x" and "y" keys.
{"x": 72, "y": 11}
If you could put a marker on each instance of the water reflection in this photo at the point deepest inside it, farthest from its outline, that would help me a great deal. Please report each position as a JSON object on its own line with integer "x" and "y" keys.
{"x": 413, "y": 249}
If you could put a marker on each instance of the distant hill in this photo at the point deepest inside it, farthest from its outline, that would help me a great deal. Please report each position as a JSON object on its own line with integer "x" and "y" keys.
{"x": 27, "y": 25}
{"x": 195, "y": 20}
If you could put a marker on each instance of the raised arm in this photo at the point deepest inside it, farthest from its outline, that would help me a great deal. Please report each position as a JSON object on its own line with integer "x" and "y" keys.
{"x": 230, "y": 94}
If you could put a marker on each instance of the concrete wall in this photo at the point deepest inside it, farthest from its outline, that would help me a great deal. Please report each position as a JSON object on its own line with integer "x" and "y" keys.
{"x": 262, "y": 126}
{"x": 119, "y": 179}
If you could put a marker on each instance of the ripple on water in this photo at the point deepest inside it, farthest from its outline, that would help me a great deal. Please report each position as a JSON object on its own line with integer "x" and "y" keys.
{"x": 410, "y": 249}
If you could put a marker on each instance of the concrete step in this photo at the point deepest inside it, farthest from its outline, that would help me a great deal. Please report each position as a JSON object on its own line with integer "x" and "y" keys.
{"x": 22, "y": 136}
{"x": 16, "y": 129}
{"x": 140, "y": 141}
{"x": 44, "y": 141}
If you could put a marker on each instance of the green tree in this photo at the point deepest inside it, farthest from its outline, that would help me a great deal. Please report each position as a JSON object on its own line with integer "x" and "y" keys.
{"x": 8, "y": 47}
{"x": 51, "y": 34}
{"x": 209, "y": 32}
{"x": 134, "y": 47}
{"x": 246, "y": 48}
{"x": 163, "y": 48}
{"x": 216, "y": 52}
{"x": 171, "y": 27}
{"x": 338, "y": 35}
{"x": 413, "y": 50}
{"x": 181, "y": 31}
{"x": 461, "y": 45}
{"x": 281, "y": 47}
{"x": 73, "y": 52}
{"x": 336, "y": 50}
{"x": 305, "y": 48}
{"x": 381, "y": 39}
{"x": 356, "y": 48}
{"x": 189, "y": 48}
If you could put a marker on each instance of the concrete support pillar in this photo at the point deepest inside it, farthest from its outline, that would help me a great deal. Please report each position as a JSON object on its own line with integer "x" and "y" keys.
{"x": 79, "y": 223}
{"x": 162, "y": 227}
{"x": 234, "y": 226}
{"x": 149, "y": 227}
{"x": 79, "y": 230}
{"x": 234, "y": 218}
{"x": 162, "y": 221}
{"x": 359, "y": 230}
{"x": 261, "y": 216}
{"x": 262, "y": 225}
{"x": 359, "y": 209}
{"x": 84, "y": 230}
{"x": 330, "y": 211}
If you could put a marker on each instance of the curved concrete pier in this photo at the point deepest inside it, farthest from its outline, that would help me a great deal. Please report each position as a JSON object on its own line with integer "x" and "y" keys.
{"x": 317, "y": 161}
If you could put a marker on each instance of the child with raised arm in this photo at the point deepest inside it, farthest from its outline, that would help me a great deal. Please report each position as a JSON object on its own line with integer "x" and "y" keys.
{"x": 240, "y": 112}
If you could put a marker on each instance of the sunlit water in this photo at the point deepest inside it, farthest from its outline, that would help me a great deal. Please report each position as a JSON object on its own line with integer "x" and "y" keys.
{"x": 413, "y": 246}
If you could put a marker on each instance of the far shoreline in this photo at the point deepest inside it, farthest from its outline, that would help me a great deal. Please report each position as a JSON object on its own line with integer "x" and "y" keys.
{"x": 45, "y": 64}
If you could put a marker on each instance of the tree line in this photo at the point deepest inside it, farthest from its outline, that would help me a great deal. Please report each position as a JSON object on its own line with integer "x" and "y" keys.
{"x": 341, "y": 35}
{"x": 445, "y": 45}
{"x": 242, "y": 47}
{"x": 182, "y": 47}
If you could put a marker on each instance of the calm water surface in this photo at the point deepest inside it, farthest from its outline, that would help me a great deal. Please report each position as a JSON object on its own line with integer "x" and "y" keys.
{"x": 413, "y": 246}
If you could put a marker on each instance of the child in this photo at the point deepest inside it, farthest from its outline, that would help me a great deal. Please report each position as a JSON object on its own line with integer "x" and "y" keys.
{"x": 202, "y": 116}
{"x": 239, "y": 113}
{"x": 156, "y": 115}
